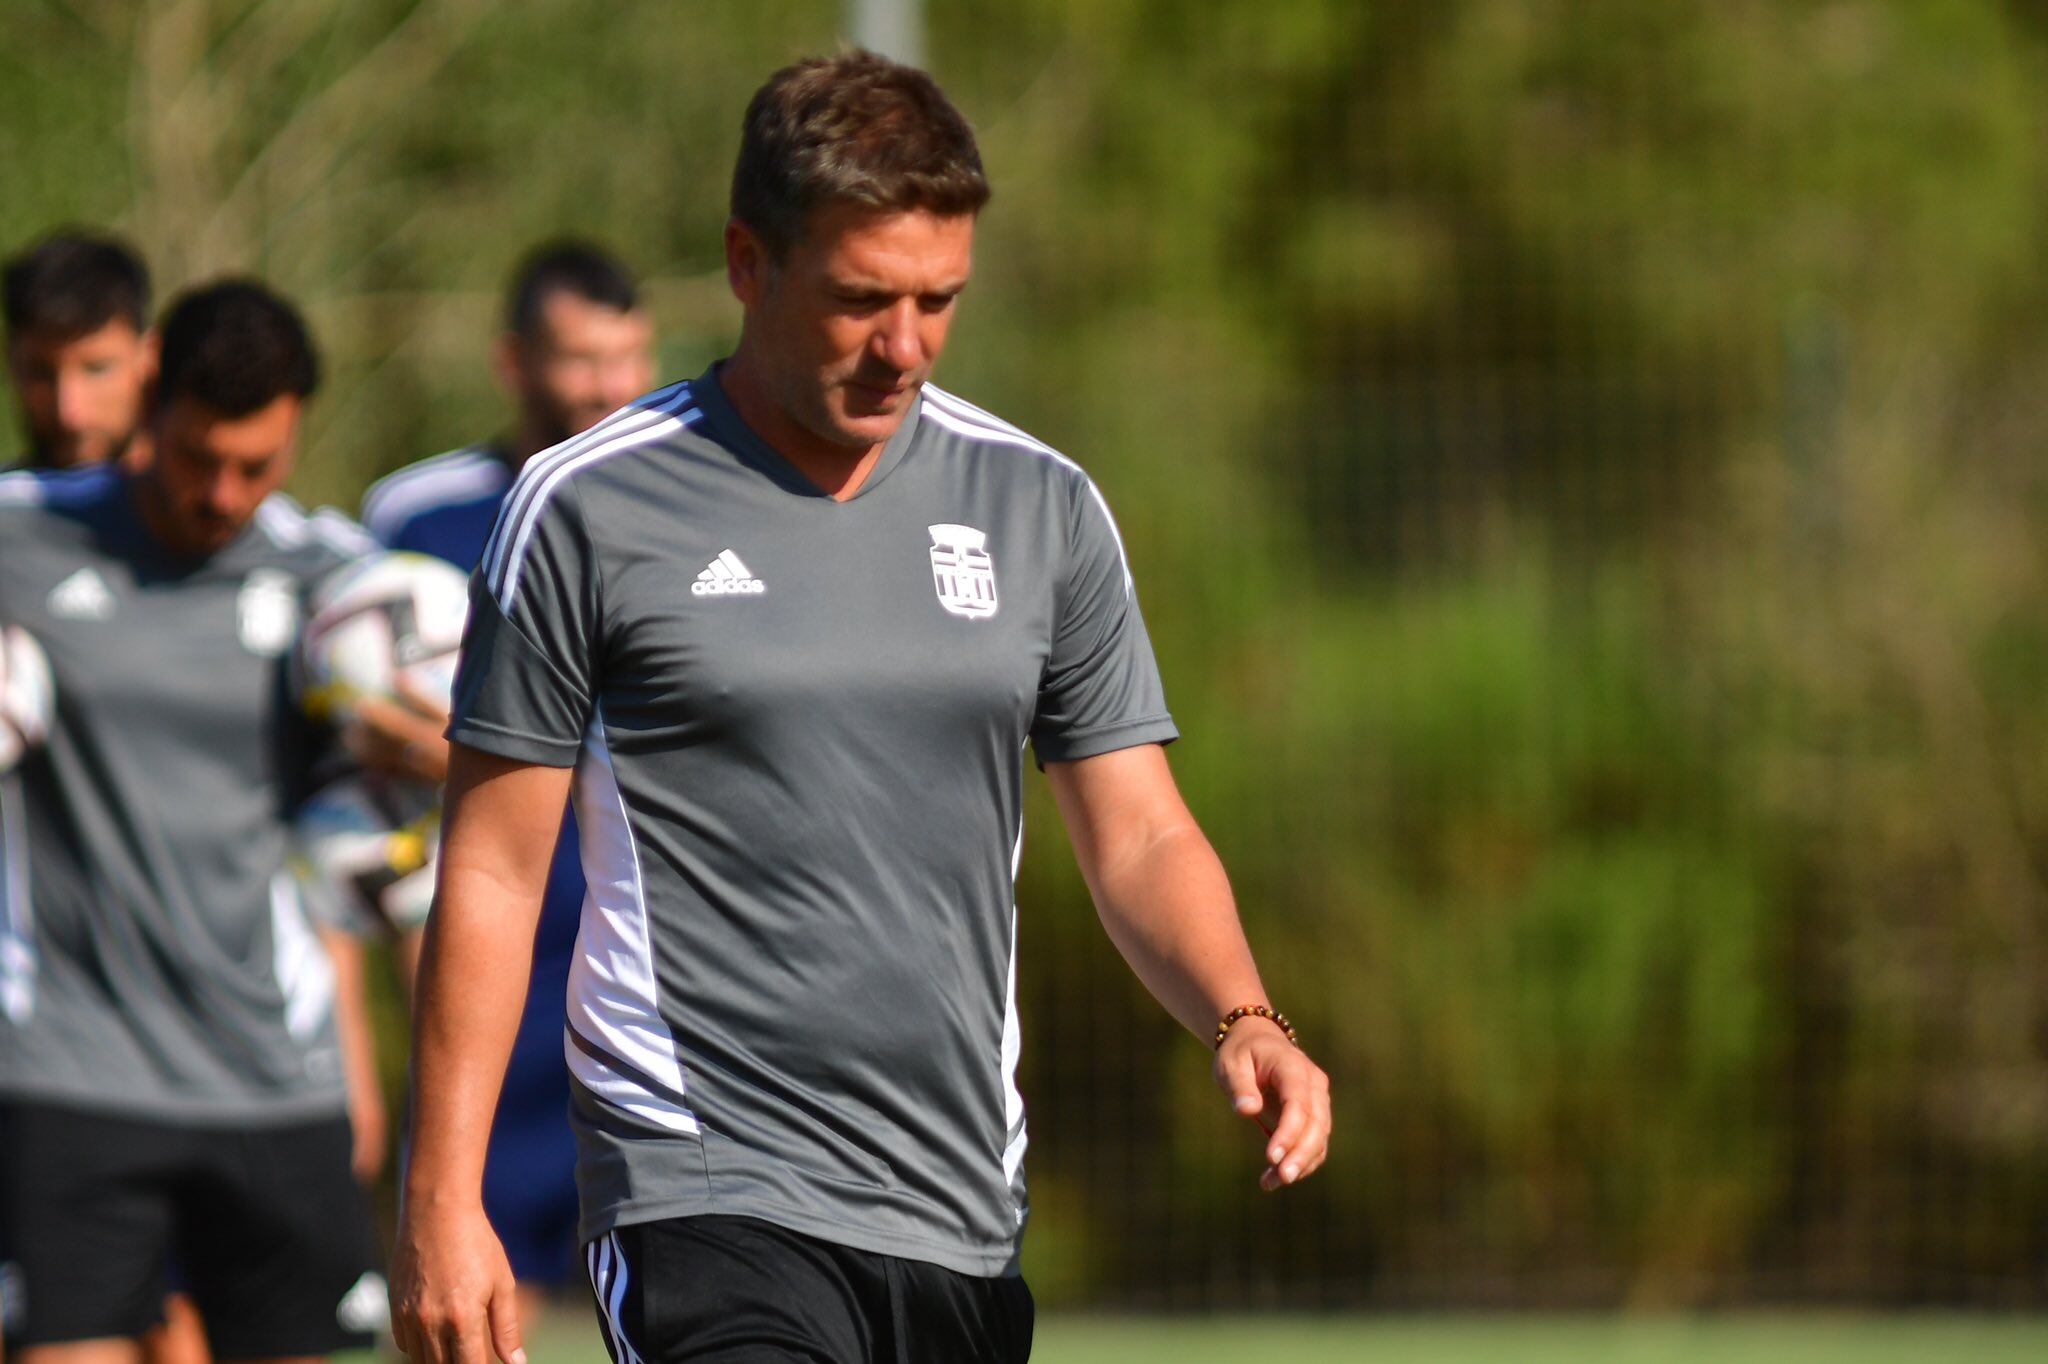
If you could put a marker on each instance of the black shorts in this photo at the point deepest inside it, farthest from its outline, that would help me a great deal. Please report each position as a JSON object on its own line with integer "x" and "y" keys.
{"x": 733, "y": 1290}
{"x": 267, "y": 1227}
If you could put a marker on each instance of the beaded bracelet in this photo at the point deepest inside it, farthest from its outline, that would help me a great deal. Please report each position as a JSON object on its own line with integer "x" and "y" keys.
{"x": 1230, "y": 1019}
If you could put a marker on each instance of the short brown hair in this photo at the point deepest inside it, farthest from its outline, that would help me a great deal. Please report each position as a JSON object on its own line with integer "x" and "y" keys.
{"x": 856, "y": 128}
{"x": 567, "y": 266}
{"x": 236, "y": 347}
{"x": 72, "y": 283}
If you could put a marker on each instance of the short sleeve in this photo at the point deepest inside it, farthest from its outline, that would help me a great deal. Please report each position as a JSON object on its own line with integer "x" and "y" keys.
{"x": 524, "y": 689}
{"x": 1101, "y": 688}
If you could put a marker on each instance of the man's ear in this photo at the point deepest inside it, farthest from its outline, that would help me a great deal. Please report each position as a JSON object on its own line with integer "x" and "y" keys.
{"x": 747, "y": 262}
{"x": 142, "y": 450}
{"x": 508, "y": 355}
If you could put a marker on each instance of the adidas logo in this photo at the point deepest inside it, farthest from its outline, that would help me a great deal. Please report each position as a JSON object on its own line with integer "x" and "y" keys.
{"x": 82, "y": 596}
{"x": 727, "y": 576}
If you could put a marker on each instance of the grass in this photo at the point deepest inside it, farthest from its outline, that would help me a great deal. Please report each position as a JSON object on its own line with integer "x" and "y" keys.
{"x": 1546, "y": 1340}
{"x": 1820, "y": 1339}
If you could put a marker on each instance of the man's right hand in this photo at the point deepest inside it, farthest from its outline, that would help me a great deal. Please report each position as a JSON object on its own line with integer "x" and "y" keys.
{"x": 452, "y": 1295}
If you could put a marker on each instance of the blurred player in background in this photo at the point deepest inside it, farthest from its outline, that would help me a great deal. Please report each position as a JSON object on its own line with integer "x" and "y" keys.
{"x": 576, "y": 347}
{"x": 170, "y": 1076}
{"x": 79, "y": 350}
{"x": 784, "y": 631}
{"x": 80, "y": 356}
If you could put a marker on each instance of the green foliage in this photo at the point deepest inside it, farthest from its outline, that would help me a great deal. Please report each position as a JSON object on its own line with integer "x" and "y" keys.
{"x": 1581, "y": 467}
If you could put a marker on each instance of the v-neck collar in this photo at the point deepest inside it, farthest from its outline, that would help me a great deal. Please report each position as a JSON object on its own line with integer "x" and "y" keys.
{"x": 158, "y": 560}
{"x": 733, "y": 431}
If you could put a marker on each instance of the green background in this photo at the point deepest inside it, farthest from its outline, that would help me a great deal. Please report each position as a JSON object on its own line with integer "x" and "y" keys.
{"x": 1583, "y": 468}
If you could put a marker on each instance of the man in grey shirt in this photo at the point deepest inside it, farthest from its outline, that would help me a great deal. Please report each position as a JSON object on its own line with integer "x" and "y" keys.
{"x": 783, "y": 632}
{"x": 169, "y": 1071}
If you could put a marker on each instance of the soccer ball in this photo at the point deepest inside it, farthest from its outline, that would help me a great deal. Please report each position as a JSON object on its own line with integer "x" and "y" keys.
{"x": 385, "y": 618}
{"x": 372, "y": 840}
{"x": 28, "y": 698}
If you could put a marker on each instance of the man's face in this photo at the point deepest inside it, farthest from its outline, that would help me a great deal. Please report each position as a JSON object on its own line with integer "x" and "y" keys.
{"x": 849, "y": 323}
{"x": 81, "y": 396}
{"x": 210, "y": 472}
{"x": 584, "y": 362}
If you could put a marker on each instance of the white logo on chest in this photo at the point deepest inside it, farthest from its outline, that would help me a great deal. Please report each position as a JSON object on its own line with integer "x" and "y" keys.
{"x": 267, "y": 612}
{"x": 726, "y": 576}
{"x": 82, "y": 596}
{"x": 963, "y": 571}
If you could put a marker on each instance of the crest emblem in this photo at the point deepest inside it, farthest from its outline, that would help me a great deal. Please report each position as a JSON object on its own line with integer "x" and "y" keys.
{"x": 963, "y": 572}
{"x": 267, "y": 612}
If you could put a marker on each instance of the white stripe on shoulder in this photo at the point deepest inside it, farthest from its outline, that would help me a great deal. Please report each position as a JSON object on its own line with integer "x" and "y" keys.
{"x": 22, "y": 489}
{"x": 967, "y": 426}
{"x": 636, "y": 415}
{"x": 290, "y": 526}
{"x": 504, "y": 582}
{"x": 459, "y": 476}
{"x": 959, "y": 406}
{"x": 963, "y": 417}
{"x": 280, "y": 518}
{"x": 341, "y": 534}
{"x": 54, "y": 487}
{"x": 419, "y": 468}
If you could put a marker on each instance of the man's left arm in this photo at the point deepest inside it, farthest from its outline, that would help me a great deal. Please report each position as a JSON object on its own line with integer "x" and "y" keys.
{"x": 1166, "y": 903}
{"x": 368, "y": 1120}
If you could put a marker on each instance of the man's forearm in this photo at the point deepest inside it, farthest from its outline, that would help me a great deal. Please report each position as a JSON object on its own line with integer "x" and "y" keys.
{"x": 1166, "y": 904}
{"x": 358, "y": 1051}
{"x": 500, "y": 828}
{"x": 466, "y": 1008}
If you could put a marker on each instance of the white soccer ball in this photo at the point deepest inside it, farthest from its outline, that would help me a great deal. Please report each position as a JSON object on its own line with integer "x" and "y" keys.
{"x": 28, "y": 697}
{"x": 387, "y": 617}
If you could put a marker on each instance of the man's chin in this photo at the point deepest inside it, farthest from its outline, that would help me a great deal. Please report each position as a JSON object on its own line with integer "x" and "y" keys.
{"x": 203, "y": 541}
{"x": 862, "y": 423}
{"x": 863, "y": 433}
{"x": 68, "y": 454}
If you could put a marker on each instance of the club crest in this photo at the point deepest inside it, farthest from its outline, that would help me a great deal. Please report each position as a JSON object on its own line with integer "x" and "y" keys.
{"x": 963, "y": 572}
{"x": 267, "y": 612}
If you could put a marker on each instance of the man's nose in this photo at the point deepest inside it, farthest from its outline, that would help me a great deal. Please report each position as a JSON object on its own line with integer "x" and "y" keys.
{"x": 74, "y": 402}
{"x": 899, "y": 342}
{"x": 223, "y": 494}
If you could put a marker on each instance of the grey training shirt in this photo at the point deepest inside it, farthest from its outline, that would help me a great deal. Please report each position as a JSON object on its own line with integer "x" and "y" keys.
{"x": 155, "y": 960}
{"x": 797, "y": 727}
